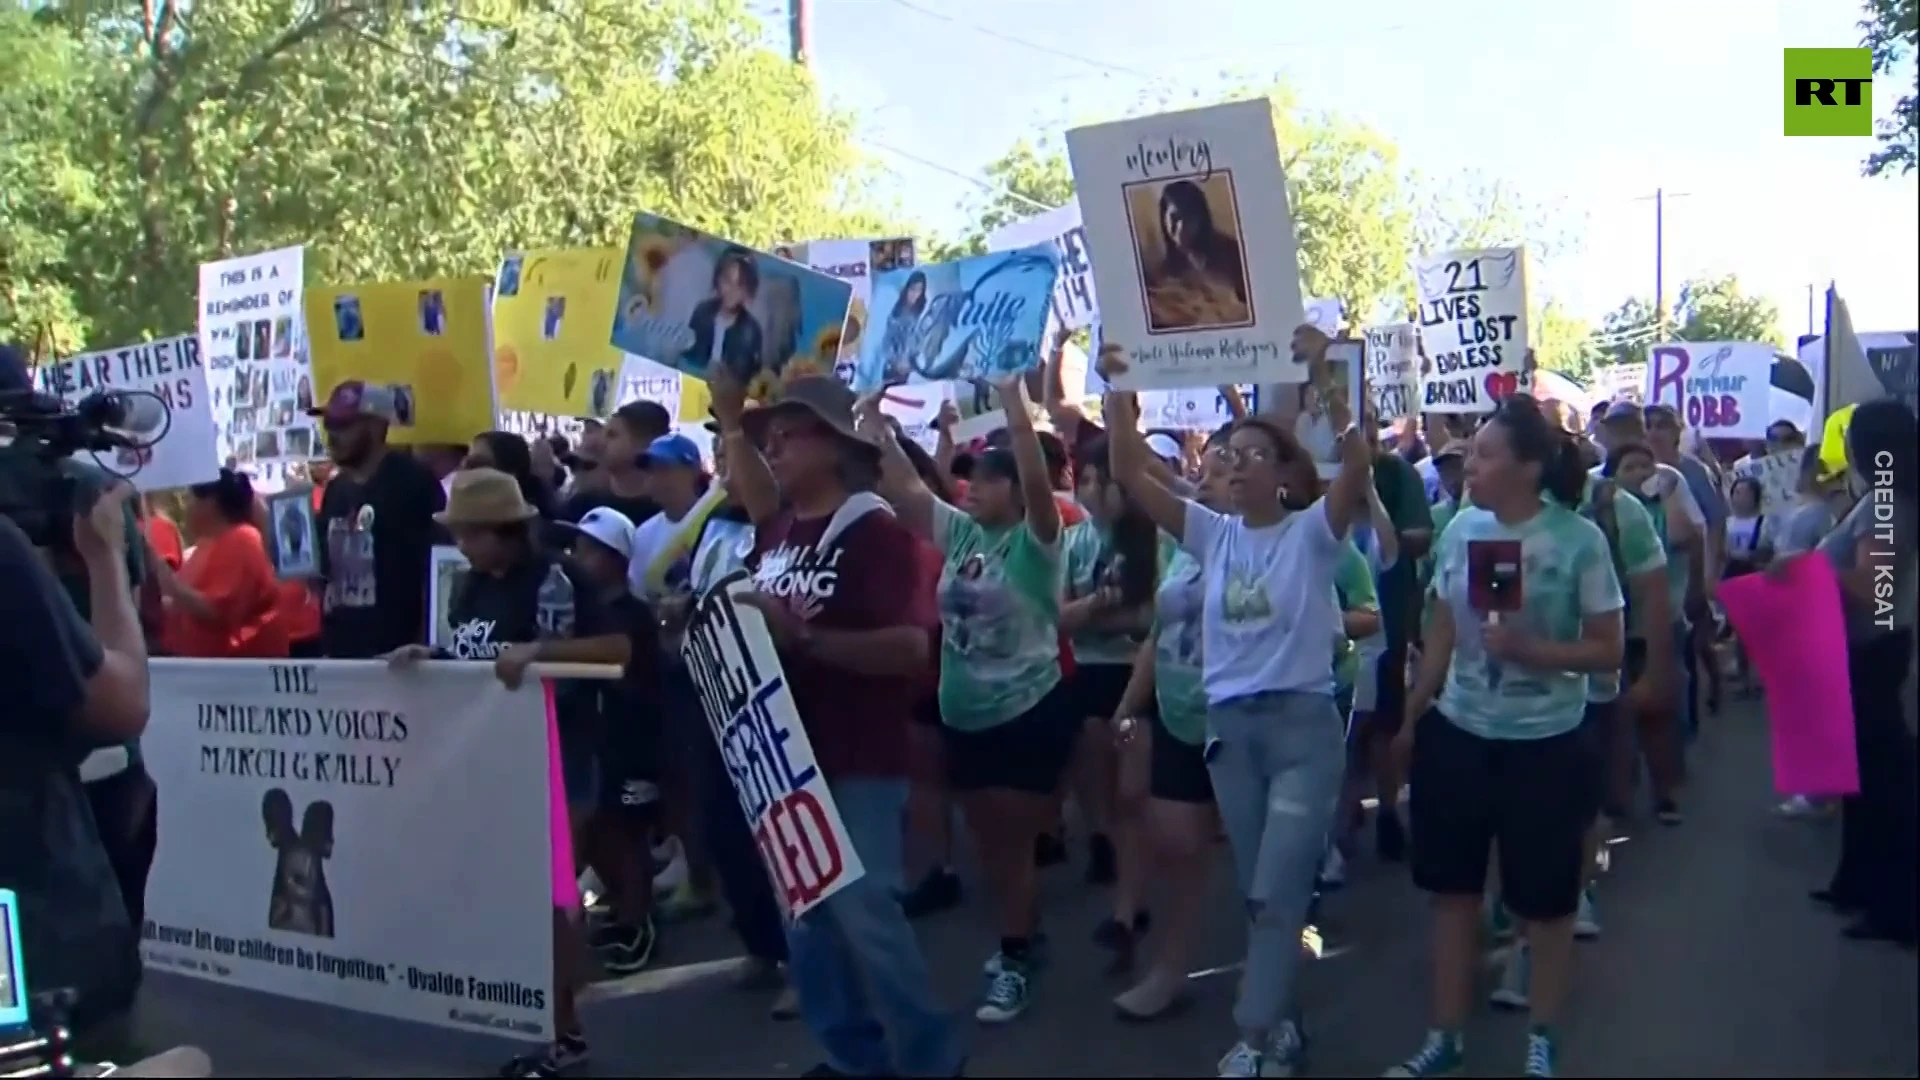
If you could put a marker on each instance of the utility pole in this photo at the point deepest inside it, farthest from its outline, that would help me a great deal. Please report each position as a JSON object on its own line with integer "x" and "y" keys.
{"x": 800, "y": 31}
{"x": 1660, "y": 197}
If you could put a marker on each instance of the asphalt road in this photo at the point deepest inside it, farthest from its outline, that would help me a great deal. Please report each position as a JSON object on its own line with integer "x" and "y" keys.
{"x": 1712, "y": 963}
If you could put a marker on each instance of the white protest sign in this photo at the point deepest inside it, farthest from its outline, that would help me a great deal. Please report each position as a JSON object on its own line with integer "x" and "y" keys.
{"x": 1778, "y": 474}
{"x": 917, "y": 408}
{"x": 1193, "y": 246}
{"x": 185, "y": 447}
{"x": 1393, "y": 370}
{"x": 318, "y": 817}
{"x": 1074, "y": 301}
{"x": 253, "y": 341}
{"x": 1473, "y": 329}
{"x": 1721, "y": 389}
{"x": 763, "y": 742}
{"x": 1326, "y": 314}
{"x": 1191, "y": 410}
{"x": 643, "y": 380}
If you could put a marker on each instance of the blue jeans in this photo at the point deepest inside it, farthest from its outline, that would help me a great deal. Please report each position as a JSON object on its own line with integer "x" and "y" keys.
{"x": 855, "y": 962}
{"x": 1277, "y": 762}
{"x": 1686, "y": 671}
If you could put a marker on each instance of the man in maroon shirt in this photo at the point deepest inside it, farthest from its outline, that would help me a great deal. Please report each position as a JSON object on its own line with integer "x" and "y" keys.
{"x": 840, "y": 583}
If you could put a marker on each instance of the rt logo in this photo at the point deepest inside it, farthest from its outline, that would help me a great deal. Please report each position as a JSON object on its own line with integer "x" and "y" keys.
{"x": 1829, "y": 92}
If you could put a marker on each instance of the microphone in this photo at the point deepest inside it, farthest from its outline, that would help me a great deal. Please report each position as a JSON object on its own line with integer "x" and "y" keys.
{"x": 127, "y": 418}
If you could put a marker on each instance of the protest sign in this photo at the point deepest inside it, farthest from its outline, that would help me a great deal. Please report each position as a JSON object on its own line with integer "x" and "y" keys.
{"x": 643, "y": 380}
{"x": 447, "y": 572}
{"x": 428, "y": 340}
{"x": 1473, "y": 329}
{"x": 1392, "y": 371}
{"x": 854, "y": 262}
{"x": 318, "y": 817}
{"x": 1795, "y": 636}
{"x": 1320, "y": 409}
{"x": 1074, "y": 302}
{"x": 179, "y": 447}
{"x": 765, "y": 748}
{"x": 1193, "y": 245}
{"x": 1895, "y": 359}
{"x": 1720, "y": 389}
{"x": 1192, "y": 410}
{"x": 253, "y": 341}
{"x": 1778, "y": 475}
{"x": 917, "y": 408}
{"x": 551, "y": 312}
{"x": 689, "y": 299}
{"x": 983, "y": 317}
{"x": 1326, "y": 314}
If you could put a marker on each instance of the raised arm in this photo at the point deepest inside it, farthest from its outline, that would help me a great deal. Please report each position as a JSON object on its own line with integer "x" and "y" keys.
{"x": 749, "y": 481}
{"x": 1130, "y": 459}
{"x": 900, "y": 482}
{"x": 1036, "y": 487}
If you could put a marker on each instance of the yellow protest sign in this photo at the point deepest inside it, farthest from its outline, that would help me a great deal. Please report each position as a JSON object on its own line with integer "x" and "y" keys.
{"x": 425, "y": 339}
{"x": 696, "y": 401}
{"x": 551, "y": 313}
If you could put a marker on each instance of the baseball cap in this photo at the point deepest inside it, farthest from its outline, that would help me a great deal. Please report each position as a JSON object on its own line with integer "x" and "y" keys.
{"x": 609, "y": 527}
{"x": 354, "y": 399}
{"x": 672, "y": 449}
{"x": 1621, "y": 410}
{"x": 1455, "y": 449}
{"x": 1163, "y": 446}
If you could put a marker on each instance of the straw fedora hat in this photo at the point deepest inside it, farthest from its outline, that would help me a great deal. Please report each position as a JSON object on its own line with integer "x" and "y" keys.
{"x": 484, "y": 497}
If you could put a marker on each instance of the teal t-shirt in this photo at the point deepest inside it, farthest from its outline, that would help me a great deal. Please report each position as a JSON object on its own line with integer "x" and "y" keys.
{"x": 1088, "y": 561}
{"x": 1354, "y": 590}
{"x": 1442, "y": 512}
{"x": 999, "y": 599}
{"x": 1178, "y": 660}
{"x": 1566, "y": 576}
{"x": 1641, "y": 551}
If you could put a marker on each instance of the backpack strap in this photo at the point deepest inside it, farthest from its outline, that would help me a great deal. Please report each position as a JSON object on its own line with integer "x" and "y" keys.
{"x": 1606, "y": 515}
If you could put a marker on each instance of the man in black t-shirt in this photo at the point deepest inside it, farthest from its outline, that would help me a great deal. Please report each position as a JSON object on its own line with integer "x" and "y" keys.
{"x": 628, "y": 433}
{"x": 376, "y": 529}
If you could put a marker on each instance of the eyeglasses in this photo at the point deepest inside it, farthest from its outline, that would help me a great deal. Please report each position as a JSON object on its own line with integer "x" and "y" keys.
{"x": 1255, "y": 455}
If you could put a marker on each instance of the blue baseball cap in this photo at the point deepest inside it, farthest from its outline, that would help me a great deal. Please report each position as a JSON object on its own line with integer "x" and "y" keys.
{"x": 672, "y": 449}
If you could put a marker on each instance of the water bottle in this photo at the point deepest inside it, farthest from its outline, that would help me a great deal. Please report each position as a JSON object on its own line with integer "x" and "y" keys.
{"x": 554, "y": 614}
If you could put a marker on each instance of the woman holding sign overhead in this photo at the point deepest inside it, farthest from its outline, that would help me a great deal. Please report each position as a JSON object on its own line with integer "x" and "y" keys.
{"x": 1270, "y": 624}
{"x": 1527, "y": 609}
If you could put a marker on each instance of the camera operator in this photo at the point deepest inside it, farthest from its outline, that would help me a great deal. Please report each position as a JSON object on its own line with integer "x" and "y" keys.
{"x": 71, "y": 689}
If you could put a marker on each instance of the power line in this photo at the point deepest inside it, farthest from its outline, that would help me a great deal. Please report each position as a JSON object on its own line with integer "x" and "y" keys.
{"x": 1009, "y": 39}
{"x": 980, "y": 182}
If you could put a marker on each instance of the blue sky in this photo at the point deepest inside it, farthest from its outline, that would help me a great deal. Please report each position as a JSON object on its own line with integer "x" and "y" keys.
{"x": 1585, "y": 109}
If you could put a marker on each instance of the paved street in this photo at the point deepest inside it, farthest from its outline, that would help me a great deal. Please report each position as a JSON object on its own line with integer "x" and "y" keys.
{"x": 1713, "y": 963}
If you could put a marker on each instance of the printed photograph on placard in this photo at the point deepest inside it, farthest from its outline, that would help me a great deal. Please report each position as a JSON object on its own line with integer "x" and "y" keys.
{"x": 983, "y": 317}
{"x": 1074, "y": 302}
{"x": 449, "y": 573}
{"x": 1192, "y": 245}
{"x": 1473, "y": 328}
{"x": 1321, "y": 408}
{"x": 891, "y": 254}
{"x": 690, "y": 300}
{"x": 291, "y": 539}
{"x": 1186, "y": 242}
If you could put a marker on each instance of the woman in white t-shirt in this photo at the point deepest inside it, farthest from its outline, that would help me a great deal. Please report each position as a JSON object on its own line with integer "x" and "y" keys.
{"x": 1275, "y": 746}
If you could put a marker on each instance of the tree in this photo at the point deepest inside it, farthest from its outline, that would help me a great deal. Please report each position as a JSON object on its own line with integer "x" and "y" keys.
{"x": 1559, "y": 341}
{"x": 424, "y": 139}
{"x": 1709, "y": 309}
{"x": 1029, "y": 178}
{"x": 1891, "y": 29}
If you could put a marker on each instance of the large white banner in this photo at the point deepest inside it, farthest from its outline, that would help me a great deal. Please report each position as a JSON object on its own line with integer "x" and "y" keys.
{"x": 180, "y": 445}
{"x": 254, "y": 342}
{"x": 768, "y": 756}
{"x": 341, "y": 833}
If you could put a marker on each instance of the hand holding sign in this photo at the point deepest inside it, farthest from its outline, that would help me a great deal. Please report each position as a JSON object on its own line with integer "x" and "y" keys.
{"x": 787, "y": 631}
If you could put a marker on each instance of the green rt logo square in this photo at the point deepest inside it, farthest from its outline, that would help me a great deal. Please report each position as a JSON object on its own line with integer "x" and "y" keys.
{"x": 1829, "y": 92}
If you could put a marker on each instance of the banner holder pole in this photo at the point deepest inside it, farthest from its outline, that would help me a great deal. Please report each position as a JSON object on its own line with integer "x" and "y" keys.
{"x": 537, "y": 671}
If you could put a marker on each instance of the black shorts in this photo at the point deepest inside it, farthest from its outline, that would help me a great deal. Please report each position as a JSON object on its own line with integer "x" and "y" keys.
{"x": 1098, "y": 688}
{"x": 1179, "y": 770}
{"x": 1535, "y": 797}
{"x": 1028, "y": 753}
{"x": 1597, "y": 726}
{"x": 1390, "y": 689}
{"x": 631, "y": 760}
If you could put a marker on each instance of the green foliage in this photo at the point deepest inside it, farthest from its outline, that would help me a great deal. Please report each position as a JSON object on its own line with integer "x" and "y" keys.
{"x": 408, "y": 140}
{"x": 1709, "y": 309}
{"x": 1892, "y": 30}
{"x": 1360, "y": 217}
{"x": 1560, "y": 341}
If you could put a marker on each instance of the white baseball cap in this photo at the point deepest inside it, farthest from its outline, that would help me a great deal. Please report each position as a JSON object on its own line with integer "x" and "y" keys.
{"x": 611, "y": 528}
{"x": 1163, "y": 446}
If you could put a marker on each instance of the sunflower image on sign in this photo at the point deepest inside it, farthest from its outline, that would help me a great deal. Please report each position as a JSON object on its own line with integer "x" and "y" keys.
{"x": 550, "y": 333}
{"x": 849, "y": 336}
{"x": 427, "y": 335}
{"x": 690, "y": 300}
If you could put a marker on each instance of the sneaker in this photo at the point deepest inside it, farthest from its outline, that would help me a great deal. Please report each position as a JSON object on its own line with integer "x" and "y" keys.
{"x": 1515, "y": 978}
{"x": 1440, "y": 1055}
{"x": 1007, "y": 994}
{"x": 1103, "y": 863}
{"x": 558, "y": 1058}
{"x": 1540, "y": 1054}
{"x": 1242, "y": 1060}
{"x": 1036, "y": 956}
{"x": 1333, "y": 869}
{"x": 623, "y": 949}
{"x": 1389, "y": 835}
{"x": 593, "y": 895}
{"x": 938, "y": 891}
{"x": 1287, "y": 1052}
{"x": 1586, "y": 924}
{"x": 1801, "y": 807}
{"x": 669, "y": 865}
{"x": 1668, "y": 812}
{"x": 684, "y": 904}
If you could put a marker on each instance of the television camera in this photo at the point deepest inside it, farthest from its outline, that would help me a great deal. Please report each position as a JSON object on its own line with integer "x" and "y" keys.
{"x": 40, "y": 432}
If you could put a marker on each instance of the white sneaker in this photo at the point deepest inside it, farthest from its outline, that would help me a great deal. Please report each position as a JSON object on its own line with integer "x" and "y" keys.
{"x": 1586, "y": 924}
{"x": 669, "y": 866}
{"x": 1243, "y": 1060}
{"x": 1516, "y": 977}
{"x": 1802, "y": 807}
{"x": 1333, "y": 871}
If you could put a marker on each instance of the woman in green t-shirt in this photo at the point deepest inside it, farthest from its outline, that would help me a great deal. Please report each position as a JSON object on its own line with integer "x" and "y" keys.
{"x": 1008, "y": 720}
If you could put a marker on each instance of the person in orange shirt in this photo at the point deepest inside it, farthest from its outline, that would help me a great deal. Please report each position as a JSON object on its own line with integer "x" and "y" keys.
{"x": 163, "y": 536}
{"x": 224, "y": 600}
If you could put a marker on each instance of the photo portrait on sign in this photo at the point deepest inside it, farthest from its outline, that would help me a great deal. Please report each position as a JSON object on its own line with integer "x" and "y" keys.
{"x": 290, "y": 534}
{"x": 1186, "y": 241}
{"x": 282, "y": 337}
{"x": 449, "y": 574}
{"x": 1321, "y": 408}
{"x": 550, "y": 320}
{"x": 347, "y": 324}
{"x": 433, "y": 312}
{"x": 982, "y": 317}
{"x": 690, "y": 300}
{"x": 509, "y": 276}
{"x": 267, "y": 444}
{"x": 299, "y": 901}
{"x": 262, "y": 339}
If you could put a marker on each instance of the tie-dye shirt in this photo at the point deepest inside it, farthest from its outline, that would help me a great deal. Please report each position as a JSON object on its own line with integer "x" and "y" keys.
{"x": 1566, "y": 576}
{"x": 999, "y": 598}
